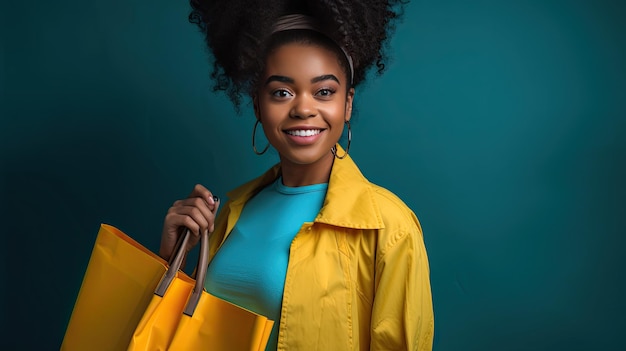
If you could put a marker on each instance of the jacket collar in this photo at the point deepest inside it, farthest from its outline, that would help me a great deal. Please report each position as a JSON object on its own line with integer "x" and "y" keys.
{"x": 349, "y": 199}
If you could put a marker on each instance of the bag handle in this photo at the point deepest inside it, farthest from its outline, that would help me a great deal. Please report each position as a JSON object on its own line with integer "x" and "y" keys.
{"x": 201, "y": 268}
{"x": 181, "y": 239}
{"x": 175, "y": 265}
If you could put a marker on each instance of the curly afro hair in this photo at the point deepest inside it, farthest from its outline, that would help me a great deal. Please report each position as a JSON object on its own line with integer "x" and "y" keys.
{"x": 237, "y": 32}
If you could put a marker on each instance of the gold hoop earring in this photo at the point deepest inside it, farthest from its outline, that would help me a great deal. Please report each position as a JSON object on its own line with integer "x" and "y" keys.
{"x": 334, "y": 148}
{"x": 253, "y": 141}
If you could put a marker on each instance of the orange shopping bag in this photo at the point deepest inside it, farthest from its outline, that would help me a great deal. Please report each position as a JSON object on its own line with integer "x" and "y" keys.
{"x": 125, "y": 284}
{"x": 182, "y": 316}
{"x": 116, "y": 289}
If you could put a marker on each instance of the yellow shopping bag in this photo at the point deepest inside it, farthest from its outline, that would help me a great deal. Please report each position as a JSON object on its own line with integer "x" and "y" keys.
{"x": 182, "y": 316}
{"x": 130, "y": 300}
{"x": 116, "y": 289}
{"x": 243, "y": 330}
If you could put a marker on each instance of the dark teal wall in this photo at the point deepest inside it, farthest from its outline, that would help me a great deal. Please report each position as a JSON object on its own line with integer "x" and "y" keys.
{"x": 501, "y": 123}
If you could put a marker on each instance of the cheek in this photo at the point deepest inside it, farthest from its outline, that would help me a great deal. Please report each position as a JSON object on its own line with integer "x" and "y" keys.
{"x": 336, "y": 114}
{"x": 271, "y": 120}
{"x": 270, "y": 114}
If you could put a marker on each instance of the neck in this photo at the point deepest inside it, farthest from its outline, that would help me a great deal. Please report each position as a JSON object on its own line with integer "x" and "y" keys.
{"x": 294, "y": 174}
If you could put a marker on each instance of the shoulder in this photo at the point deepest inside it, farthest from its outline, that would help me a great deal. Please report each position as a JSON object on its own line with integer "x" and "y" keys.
{"x": 353, "y": 199}
{"x": 394, "y": 210}
{"x": 401, "y": 226}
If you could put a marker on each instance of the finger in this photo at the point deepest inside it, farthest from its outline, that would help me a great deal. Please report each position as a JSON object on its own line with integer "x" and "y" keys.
{"x": 177, "y": 222}
{"x": 197, "y": 201}
{"x": 200, "y": 191}
{"x": 207, "y": 211}
{"x": 190, "y": 217}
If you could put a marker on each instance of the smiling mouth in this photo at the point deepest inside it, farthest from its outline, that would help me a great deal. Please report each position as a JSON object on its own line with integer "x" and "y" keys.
{"x": 304, "y": 132}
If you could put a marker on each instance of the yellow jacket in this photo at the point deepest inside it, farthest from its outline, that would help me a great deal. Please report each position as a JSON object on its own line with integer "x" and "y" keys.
{"x": 357, "y": 277}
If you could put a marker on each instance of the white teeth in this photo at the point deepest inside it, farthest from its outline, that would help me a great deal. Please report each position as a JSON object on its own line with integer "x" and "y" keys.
{"x": 307, "y": 132}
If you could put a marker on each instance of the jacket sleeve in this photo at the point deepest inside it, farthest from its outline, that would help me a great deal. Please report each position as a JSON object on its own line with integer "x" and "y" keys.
{"x": 402, "y": 314}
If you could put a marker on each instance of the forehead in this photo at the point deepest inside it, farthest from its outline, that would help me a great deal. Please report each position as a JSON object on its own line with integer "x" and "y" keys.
{"x": 297, "y": 59}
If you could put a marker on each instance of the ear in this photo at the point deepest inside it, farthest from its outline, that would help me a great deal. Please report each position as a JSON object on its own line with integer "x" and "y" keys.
{"x": 257, "y": 109}
{"x": 349, "y": 100}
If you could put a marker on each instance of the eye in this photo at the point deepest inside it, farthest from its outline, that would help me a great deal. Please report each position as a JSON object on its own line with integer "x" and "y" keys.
{"x": 326, "y": 92}
{"x": 281, "y": 93}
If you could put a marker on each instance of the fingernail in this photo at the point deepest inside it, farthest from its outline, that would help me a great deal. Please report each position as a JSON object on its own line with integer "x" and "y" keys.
{"x": 215, "y": 198}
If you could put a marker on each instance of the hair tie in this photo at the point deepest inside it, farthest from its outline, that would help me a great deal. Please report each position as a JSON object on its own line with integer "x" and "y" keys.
{"x": 298, "y": 21}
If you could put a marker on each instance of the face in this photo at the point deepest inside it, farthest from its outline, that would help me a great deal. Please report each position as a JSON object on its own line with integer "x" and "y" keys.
{"x": 303, "y": 103}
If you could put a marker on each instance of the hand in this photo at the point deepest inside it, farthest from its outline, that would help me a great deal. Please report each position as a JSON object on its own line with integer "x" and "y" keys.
{"x": 196, "y": 212}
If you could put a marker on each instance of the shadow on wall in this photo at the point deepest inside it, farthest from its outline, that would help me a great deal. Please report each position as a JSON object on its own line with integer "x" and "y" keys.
{"x": 57, "y": 191}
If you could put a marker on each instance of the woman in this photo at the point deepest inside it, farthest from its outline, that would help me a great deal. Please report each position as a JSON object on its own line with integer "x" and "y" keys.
{"x": 338, "y": 262}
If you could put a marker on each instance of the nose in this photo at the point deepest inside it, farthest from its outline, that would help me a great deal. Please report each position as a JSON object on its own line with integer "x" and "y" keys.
{"x": 303, "y": 107}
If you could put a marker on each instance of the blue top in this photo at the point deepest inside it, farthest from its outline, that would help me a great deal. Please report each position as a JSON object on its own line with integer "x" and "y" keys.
{"x": 249, "y": 269}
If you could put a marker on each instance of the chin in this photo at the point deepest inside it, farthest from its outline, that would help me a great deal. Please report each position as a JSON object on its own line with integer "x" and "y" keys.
{"x": 305, "y": 158}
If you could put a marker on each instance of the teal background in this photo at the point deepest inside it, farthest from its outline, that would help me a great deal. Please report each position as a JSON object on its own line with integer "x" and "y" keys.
{"x": 500, "y": 123}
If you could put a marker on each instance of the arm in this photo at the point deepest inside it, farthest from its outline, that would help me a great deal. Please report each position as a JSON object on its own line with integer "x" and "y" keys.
{"x": 402, "y": 315}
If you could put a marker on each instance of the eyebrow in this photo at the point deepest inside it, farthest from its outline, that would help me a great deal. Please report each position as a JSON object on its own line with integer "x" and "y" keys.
{"x": 325, "y": 77}
{"x": 281, "y": 79}
{"x": 284, "y": 79}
